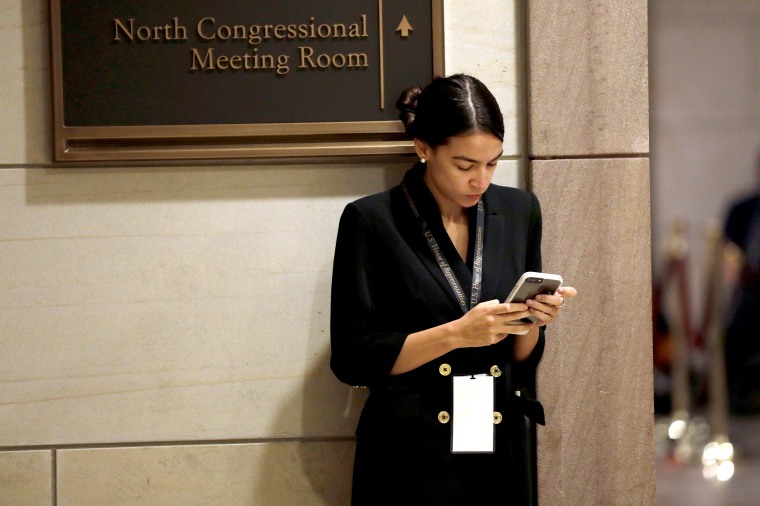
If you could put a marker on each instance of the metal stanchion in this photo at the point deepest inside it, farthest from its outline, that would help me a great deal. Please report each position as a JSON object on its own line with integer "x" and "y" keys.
{"x": 717, "y": 455}
{"x": 677, "y": 301}
{"x": 681, "y": 436}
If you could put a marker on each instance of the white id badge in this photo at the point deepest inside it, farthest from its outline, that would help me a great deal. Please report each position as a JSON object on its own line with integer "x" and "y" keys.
{"x": 472, "y": 420}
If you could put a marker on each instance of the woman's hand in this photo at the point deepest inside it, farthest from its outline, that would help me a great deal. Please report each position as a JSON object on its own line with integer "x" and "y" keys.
{"x": 546, "y": 307}
{"x": 489, "y": 322}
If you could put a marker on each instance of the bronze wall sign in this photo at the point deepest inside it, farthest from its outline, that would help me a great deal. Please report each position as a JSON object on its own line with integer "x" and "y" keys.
{"x": 182, "y": 79}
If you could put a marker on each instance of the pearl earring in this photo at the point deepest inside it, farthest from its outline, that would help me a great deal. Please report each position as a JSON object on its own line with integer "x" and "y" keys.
{"x": 423, "y": 160}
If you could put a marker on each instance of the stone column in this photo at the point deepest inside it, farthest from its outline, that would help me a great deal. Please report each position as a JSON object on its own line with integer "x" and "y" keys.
{"x": 588, "y": 163}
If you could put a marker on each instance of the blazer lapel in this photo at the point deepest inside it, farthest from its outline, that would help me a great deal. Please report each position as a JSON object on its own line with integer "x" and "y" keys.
{"x": 427, "y": 258}
{"x": 416, "y": 239}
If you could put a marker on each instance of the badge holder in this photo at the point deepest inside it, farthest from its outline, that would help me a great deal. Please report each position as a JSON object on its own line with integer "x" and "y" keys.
{"x": 472, "y": 428}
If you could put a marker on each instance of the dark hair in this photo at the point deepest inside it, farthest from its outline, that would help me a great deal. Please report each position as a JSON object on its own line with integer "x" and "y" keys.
{"x": 447, "y": 107}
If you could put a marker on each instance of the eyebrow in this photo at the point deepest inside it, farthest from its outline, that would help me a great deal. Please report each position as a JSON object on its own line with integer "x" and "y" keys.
{"x": 464, "y": 158}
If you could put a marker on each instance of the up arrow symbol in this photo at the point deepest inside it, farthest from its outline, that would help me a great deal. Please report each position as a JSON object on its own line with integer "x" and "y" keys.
{"x": 404, "y": 27}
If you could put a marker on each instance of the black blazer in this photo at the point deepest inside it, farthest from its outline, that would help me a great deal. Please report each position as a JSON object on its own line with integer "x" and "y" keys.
{"x": 387, "y": 284}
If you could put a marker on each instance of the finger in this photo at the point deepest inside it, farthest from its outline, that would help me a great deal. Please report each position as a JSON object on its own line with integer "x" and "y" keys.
{"x": 567, "y": 291}
{"x": 514, "y": 307}
{"x": 542, "y": 316}
{"x": 551, "y": 300}
{"x": 505, "y": 308}
{"x": 487, "y": 307}
{"x": 539, "y": 309}
{"x": 509, "y": 318}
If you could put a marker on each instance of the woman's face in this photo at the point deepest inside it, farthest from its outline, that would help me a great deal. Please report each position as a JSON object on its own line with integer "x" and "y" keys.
{"x": 460, "y": 171}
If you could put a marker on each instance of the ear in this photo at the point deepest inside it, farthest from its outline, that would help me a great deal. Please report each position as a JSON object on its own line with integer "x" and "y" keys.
{"x": 422, "y": 148}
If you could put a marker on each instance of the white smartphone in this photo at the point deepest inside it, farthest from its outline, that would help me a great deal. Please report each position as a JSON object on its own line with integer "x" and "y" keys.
{"x": 531, "y": 284}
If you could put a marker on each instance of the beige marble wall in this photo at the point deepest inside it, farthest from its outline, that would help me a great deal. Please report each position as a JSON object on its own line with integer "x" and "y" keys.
{"x": 25, "y": 129}
{"x": 588, "y": 77}
{"x": 588, "y": 121}
{"x": 230, "y": 475}
{"x": 596, "y": 377}
{"x": 26, "y": 478}
{"x": 162, "y": 305}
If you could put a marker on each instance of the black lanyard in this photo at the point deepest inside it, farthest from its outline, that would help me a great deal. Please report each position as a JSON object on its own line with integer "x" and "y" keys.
{"x": 477, "y": 264}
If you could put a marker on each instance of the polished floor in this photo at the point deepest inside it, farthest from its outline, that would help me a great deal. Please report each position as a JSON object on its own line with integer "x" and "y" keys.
{"x": 684, "y": 483}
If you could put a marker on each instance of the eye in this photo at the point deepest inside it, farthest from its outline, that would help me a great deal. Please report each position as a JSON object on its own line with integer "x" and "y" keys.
{"x": 464, "y": 168}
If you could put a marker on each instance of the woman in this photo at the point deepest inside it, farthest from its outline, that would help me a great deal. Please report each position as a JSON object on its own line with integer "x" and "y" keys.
{"x": 417, "y": 277}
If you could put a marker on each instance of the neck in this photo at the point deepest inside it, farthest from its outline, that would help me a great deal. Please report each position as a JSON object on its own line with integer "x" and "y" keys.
{"x": 454, "y": 217}
{"x": 451, "y": 212}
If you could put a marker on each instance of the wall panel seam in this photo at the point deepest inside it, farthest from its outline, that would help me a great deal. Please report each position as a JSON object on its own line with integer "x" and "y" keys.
{"x": 592, "y": 157}
{"x": 54, "y": 477}
{"x": 145, "y": 444}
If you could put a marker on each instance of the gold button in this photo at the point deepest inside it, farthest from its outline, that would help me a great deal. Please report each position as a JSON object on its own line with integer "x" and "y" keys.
{"x": 444, "y": 369}
{"x": 496, "y": 418}
{"x": 495, "y": 371}
{"x": 443, "y": 417}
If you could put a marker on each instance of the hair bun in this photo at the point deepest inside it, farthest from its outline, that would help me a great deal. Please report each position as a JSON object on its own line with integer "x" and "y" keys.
{"x": 407, "y": 106}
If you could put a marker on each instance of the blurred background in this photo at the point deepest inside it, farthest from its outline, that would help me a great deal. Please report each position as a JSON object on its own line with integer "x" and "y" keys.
{"x": 705, "y": 160}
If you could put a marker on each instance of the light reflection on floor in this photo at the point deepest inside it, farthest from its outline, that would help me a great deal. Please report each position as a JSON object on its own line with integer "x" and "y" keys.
{"x": 685, "y": 485}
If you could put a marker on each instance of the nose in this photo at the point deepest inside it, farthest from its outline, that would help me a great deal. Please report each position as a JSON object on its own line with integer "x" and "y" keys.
{"x": 481, "y": 179}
